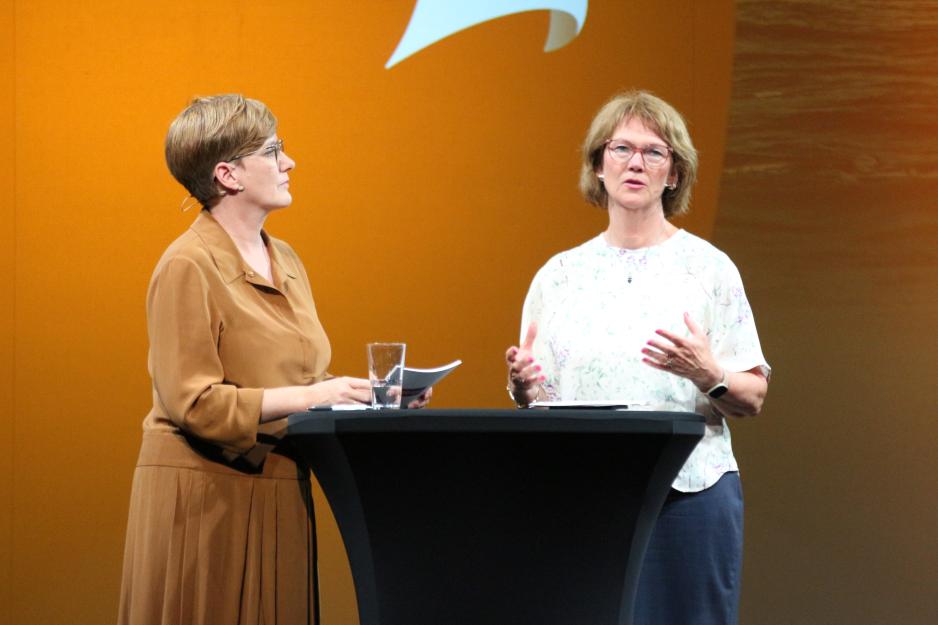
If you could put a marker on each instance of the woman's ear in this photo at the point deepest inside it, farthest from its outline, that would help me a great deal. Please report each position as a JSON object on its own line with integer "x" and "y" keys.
{"x": 226, "y": 177}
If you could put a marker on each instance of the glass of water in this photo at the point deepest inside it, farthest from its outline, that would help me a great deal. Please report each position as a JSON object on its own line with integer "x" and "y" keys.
{"x": 386, "y": 372}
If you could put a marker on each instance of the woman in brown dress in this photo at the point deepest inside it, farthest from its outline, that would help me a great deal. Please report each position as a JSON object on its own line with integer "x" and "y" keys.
{"x": 220, "y": 528}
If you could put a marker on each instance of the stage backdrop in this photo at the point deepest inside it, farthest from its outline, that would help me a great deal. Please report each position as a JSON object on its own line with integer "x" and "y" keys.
{"x": 425, "y": 197}
{"x": 428, "y": 194}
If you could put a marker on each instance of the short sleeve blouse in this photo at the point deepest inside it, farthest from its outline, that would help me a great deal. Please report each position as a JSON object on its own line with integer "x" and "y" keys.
{"x": 597, "y": 306}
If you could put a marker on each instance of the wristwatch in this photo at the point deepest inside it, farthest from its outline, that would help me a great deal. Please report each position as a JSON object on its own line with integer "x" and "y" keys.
{"x": 719, "y": 389}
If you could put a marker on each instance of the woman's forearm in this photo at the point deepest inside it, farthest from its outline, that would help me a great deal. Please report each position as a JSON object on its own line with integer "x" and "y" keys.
{"x": 747, "y": 390}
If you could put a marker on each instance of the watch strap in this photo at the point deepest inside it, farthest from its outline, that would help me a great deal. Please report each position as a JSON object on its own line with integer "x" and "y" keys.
{"x": 718, "y": 389}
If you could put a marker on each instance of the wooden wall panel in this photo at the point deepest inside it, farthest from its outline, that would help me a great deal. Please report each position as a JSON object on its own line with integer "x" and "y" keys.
{"x": 7, "y": 308}
{"x": 828, "y": 205}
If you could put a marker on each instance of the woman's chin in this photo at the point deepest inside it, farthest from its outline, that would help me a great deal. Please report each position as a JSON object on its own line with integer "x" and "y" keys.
{"x": 282, "y": 202}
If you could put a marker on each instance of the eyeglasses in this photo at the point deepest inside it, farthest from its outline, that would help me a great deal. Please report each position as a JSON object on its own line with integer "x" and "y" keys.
{"x": 652, "y": 155}
{"x": 274, "y": 150}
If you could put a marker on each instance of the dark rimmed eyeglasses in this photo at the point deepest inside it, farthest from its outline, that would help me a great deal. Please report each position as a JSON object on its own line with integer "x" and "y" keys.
{"x": 652, "y": 155}
{"x": 274, "y": 150}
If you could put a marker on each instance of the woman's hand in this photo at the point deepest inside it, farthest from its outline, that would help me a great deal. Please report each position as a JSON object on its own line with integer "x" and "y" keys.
{"x": 687, "y": 357}
{"x": 524, "y": 374}
{"x": 284, "y": 400}
{"x": 691, "y": 358}
{"x": 344, "y": 390}
{"x": 422, "y": 400}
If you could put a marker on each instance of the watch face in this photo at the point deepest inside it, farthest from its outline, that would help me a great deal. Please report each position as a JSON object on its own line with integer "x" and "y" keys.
{"x": 719, "y": 391}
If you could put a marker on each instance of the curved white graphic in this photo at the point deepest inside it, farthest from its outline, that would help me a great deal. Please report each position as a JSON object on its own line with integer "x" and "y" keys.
{"x": 434, "y": 20}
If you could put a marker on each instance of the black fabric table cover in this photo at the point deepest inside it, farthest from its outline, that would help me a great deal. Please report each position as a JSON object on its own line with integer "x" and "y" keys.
{"x": 499, "y": 517}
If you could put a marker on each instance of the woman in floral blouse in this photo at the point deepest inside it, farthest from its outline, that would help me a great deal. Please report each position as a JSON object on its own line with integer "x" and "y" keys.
{"x": 648, "y": 314}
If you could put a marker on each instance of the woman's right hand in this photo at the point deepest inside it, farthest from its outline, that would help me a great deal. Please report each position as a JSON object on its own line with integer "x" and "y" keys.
{"x": 524, "y": 374}
{"x": 343, "y": 390}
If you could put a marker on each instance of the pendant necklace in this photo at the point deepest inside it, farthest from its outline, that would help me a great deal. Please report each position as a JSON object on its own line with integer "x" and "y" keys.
{"x": 635, "y": 261}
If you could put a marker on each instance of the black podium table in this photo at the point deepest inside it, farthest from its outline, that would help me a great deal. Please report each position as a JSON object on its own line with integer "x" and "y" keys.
{"x": 501, "y": 517}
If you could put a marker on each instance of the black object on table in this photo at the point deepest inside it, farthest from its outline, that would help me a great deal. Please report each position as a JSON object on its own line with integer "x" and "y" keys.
{"x": 479, "y": 517}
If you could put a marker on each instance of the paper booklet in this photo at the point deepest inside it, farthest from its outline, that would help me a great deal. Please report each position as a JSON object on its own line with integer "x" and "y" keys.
{"x": 417, "y": 381}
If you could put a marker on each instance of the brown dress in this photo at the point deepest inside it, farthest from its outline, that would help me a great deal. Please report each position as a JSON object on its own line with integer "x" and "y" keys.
{"x": 220, "y": 529}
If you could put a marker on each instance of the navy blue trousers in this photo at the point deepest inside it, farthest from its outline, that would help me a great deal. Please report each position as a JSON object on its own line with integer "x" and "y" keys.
{"x": 692, "y": 569}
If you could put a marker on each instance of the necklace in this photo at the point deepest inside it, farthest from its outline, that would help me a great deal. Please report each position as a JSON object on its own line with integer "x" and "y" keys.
{"x": 636, "y": 262}
{"x": 636, "y": 259}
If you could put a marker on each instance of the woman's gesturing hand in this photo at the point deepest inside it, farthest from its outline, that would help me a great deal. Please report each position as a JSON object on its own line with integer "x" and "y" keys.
{"x": 688, "y": 357}
{"x": 524, "y": 374}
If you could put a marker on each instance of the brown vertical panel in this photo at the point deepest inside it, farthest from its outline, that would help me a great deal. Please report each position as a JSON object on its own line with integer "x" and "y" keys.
{"x": 714, "y": 24}
{"x": 828, "y": 206}
{"x": 7, "y": 302}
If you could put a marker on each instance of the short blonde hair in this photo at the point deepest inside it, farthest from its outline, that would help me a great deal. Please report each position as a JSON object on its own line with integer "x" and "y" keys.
{"x": 661, "y": 118}
{"x": 212, "y": 130}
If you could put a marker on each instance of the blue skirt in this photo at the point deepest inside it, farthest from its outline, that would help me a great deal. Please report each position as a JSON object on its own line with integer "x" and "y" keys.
{"x": 692, "y": 569}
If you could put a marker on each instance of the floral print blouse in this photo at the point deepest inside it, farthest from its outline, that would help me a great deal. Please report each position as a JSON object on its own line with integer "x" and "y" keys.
{"x": 597, "y": 306}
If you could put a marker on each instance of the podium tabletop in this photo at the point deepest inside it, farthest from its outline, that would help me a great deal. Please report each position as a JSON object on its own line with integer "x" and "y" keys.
{"x": 320, "y": 421}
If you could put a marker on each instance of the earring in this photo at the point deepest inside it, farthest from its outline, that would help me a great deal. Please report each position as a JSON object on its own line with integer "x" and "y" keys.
{"x": 670, "y": 187}
{"x": 600, "y": 176}
{"x": 240, "y": 188}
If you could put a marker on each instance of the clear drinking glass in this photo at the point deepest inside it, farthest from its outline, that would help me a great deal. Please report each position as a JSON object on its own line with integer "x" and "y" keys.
{"x": 386, "y": 372}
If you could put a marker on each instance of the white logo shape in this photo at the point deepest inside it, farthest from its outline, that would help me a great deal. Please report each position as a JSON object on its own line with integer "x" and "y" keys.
{"x": 434, "y": 20}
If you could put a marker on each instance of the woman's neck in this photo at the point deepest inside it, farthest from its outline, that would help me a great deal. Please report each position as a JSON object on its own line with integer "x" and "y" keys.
{"x": 244, "y": 227}
{"x": 635, "y": 229}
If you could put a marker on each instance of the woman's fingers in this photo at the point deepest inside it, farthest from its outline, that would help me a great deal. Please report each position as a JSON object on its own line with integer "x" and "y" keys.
{"x": 695, "y": 329}
{"x": 523, "y": 371}
{"x": 685, "y": 356}
{"x": 359, "y": 390}
{"x": 523, "y": 367}
{"x": 667, "y": 350}
{"x": 674, "y": 338}
{"x": 531, "y": 373}
{"x": 360, "y": 395}
{"x": 511, "y": 354}
{"x": 421, "y": 400}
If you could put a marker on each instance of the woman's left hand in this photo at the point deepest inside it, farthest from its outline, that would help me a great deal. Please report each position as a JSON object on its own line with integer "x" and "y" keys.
{"x": 687, "y": 357}
{"x": 422, "y": 400}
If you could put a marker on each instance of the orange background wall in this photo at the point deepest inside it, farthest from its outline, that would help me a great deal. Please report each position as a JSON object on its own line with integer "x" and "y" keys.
{"x": 460, "y": 164}
{"x": 425, "y": 198}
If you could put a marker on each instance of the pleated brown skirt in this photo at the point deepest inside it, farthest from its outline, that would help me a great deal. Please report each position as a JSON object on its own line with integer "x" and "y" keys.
{"x": 211, "y": 543}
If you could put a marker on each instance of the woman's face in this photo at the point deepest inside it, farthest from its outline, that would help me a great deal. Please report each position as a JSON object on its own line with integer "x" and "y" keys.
{"x": 264, "y": 174}
{"x": 632, "y": 184}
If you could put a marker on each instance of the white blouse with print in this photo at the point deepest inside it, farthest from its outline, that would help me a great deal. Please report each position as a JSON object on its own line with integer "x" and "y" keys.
{"x": 598, "y": 305}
